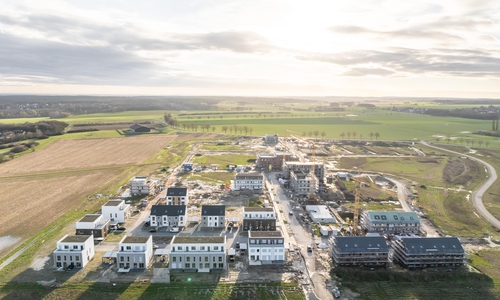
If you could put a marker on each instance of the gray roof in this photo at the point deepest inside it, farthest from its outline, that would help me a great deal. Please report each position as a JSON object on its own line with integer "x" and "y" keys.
{"x": 114, "y": 202}
{"x": 350, "y": 244}
{"x": 437, "y": 245}
{"x": 213, "y": 210}
{"x": 393, "y": 217}
{"x": 135, "y": 239}
{"x": 177, "y": 192}
{"x": 265, "y": 234}
{"x": 249, "y": 176}
{"x": 198, "y": 240}
{"x": 90, "y": 218}
{"x": 168, "y": 210}
{"x": 258, "y": 209}
{"x": 76, "y": 238}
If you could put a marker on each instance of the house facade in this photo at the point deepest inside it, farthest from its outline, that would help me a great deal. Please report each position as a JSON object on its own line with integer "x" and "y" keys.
{"x": 248, "y": 181}
{"x": 300, "y": 182}
{"x": 116, "y": 211}
{"x": 259, "y": 219}
{"x": 305, "y": 167}
{"x": 75, "y": 251}
{"x": 428, "y": 252}
{"x": 266, "y": 247}
{"x": 177, "y": 196}
{"x": 134, "y": 252}
{"x": 168, "y": 215}
{"x": 213, "y": 216}
{"x": 93, "y": 224}
{"x": 198, "y": 253}
{"x": 271, "y": 139}
{"x": 359, "y": 251}
{"x": 390, "y": 222}
{"x": 274, "y": 161}
{"x": 142, "y": 185}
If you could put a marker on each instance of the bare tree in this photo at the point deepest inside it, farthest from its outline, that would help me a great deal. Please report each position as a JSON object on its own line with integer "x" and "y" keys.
{"x": 354, "y": 134}
{"x": 342, "y": 134}
{"x": 245, "y": 128}
{"x": 309, "y": 133}
{"x": 213, "y": 128}
{"x": 316, "y": 133}
{"x": 487, "y": 144}
{"x": 224, "y": 128}
{"x": 371, "y": 135}
{"x": 348, "y": 134}
{"x": 448, "y": 139}
{"x": 480, "y": 142}
{"x": 322, "y": 134}
{"x": 304, "y": 133}
{"x": 250, "y": 129}
{"x": 377, "y": 135}
{"x": 360, "y": 136}
{"x": 461, "y": 140}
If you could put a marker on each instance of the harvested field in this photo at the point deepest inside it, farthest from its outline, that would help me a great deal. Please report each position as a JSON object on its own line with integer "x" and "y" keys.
{"x": 85, "y": 154}
{"x": 32, "y": 203}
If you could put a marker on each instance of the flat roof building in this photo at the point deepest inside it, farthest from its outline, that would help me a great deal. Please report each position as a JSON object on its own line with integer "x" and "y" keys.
{"x": 320, "y": 214}
{"x": 359, "y": 251}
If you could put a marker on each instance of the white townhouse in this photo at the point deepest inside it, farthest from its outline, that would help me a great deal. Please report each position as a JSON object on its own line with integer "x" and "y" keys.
{"x": 93, "y": 224}
{"x": 134, "y": 252}
{"x": 177, "y": 196}
{"x": 168, "y": 215}
{"x": 249, "y": 181}
{"x": 75, "y": 251}
{"x": 116, "y": 211}
{"x": 266, "y": 247}
{"x": 198, "y": 253}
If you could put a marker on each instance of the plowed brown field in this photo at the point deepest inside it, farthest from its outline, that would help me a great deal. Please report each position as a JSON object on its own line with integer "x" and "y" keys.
{"x": 86, "y": 154}
{"x": 40, "y": 187}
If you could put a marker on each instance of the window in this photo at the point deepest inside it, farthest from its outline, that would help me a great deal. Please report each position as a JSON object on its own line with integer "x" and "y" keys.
{"x": 213, "y": 258}
{"x": 180, "y": 258}
{"x": 121, "y": 258}
{"x": 202, "y": 247}
{"x": 200, "y": 265}
{"x": 129, "y": 248}
{"x": 384, "y": 217}
{"x": 207, "y": 265}
{"x": 395, "y": 217}
{"x": 193, "y": 248}
{"x": 66, "y": 247}
{"x": 252, "y": 241}
{"x": 59, "y": 257}
{"x": 206, "y": 258}
{"x": 221, "y": 265}
{"x": 188, "y": 258}
{"x": 141, "y": 265}
{"x": 75, "y": 247}
{"x": 77, "y": 258}
{"x": 220, "y": 258}
{"x": 174, "y": 259}
{"x": 216, "y": 247}
{"x": 179, "y": 248}
{"x": 187, "y": 265}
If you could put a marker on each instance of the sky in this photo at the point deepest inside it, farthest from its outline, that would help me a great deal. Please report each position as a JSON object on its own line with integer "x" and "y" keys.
{"x": 366, "y": 48}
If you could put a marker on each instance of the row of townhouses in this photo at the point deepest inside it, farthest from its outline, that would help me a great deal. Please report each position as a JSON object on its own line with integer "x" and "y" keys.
{"x": 409, "y": 252}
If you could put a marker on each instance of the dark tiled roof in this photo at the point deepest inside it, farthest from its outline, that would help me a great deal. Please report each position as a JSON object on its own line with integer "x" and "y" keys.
{"x": 348, "y": 244}
{"x": 258, "y": 209}
{"x": 438, "y": 245}
{"x": 137, "y": 126}
{"x": 176, "y": 192}
{"x": 213, "y": 210}
{"x": 168, "y": 210}
{"x": 393, "y": 217}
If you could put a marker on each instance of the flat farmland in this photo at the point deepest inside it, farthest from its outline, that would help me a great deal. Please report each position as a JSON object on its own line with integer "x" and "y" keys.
{"x": 29, "y": 204}
{"x": 64, "y": 155}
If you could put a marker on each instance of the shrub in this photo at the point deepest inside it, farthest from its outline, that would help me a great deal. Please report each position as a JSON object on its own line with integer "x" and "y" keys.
{"x": 18, "y": 149}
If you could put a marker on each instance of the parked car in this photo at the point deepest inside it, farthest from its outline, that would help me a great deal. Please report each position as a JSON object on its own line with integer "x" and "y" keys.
{"x": 309, "y": 249}
{"x": 290, "y": 213}
{"x": 237, "y": 245}
{"x": 152, "y": 229}
{"x": 174, "y": 229}
{"x": 121, "y": 228}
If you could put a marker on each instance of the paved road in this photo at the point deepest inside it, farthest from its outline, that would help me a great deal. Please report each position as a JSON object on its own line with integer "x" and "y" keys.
{"x": 298, "y": 236}
{"x": 477, "y": 196}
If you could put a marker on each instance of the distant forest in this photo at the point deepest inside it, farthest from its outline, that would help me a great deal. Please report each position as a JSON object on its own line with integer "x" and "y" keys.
{"x": 27, "y": 106}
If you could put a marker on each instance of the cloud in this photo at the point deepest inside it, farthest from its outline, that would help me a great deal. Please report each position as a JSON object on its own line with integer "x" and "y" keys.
{"x": 131, "y": 37}
{"x": 32, "y": 58}
{"x": 403, "y": 61}
{"x": 409, "y": 33}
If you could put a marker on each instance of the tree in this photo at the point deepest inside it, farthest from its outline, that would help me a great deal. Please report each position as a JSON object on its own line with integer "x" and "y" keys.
{"x": 480, "y": 142}
{"x": 322, "y": 134}
{"x": 377, "y": 135}
{"x": 472, "y": 142}
{"x": 348, "y": 134}
{"x": 309, "y": 133}
{"x": 250, "y": 129}
{"x": 342, "y": 134}
{"x": 224, "y": 128}
{"x": 487, "y": 144}
{"x": 354, "y": 134}
{"x": 438, "y": 139}
{"x": 467, "y": 141}
{"x": 360, "y": 136}
{"x": 304, "y": 133}
{"x": 316, "y": 133}
{"x": 213, "y": 128}
{"x": 448, "y": 139}
{"x": 245, "y": 128}
{"x": 230, "y": 129}
{"x": 371, "y": 135}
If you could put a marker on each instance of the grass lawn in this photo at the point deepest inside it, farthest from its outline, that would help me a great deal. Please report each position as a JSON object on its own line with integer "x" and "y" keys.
{"x": 180, "y": 291}
{"x": 223, "y": 160}
{"x": 210, "y": 177}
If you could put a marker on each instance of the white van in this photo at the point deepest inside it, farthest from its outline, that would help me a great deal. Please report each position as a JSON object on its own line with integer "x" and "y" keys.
{"x": 174, "y": 229}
